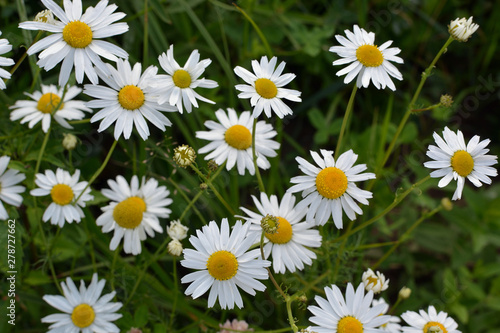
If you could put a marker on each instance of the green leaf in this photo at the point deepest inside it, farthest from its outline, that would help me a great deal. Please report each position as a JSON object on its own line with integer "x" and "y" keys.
{"x": 141, "y": 316}
{"x": 36, "y": 278}
{"x": 460, "y": 311}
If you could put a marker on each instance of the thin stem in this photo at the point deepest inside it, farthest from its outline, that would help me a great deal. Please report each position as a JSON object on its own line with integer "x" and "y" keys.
{"x": 25, "y": 54}
{"x": 212, "y": 187}
{"x": 257, "y": 30}
{"x": 291, "y": 320}
{"x": 282, "y": 293}
{"x": 341, "y": 250}
{"x": 348, "y": 112}
{"x": 254, "y": 157}
{"x": 176, "y": 290}
{"x": 40, "y": 153}
{"x": 145, "y": 35}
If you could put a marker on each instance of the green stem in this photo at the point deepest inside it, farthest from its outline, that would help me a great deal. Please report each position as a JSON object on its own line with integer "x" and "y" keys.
{"x": 176, "y": 289}
{"x": 291, "y": 320}
{"x": 212, "y": 187}
{"x": 254, "y": 157}
{"x": 25, "y": 54}
{"x": 348, "y": 112}
{"x": 257, "y": 29}
{"x": 40, "y": 154}
{"x": 340, "y": 251}
{"x": 145, "y": 36}
{"x": 282, "y": 293}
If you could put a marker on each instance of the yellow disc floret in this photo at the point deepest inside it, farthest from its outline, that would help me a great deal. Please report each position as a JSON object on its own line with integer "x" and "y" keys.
{"x": 462, "y": 163}
{"x": 128, "y": 213}
{"x": 62, "y": 194}
{"x": 182, "y": 79}
{"x": 77, "y": 34}
{"x": 372, "y": 280}
{"x": 369, "y": 55}
{"x": 349, "y": 324}
{"x": 266, "y": 88}
{"x": 83, "y": 315}
{"x": 222, "y": 265}
{"x": 430, "y": 324}
{"x": 284, "y": 233}
{"x": 331, "y": 183}
{"x": 131, "y": 97}
{"x": 48, "y": 103}
{"x": 239, "y": 137}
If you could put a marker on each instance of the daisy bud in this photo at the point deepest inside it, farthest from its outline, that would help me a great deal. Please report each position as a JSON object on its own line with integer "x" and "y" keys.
{"x": 447, "y": 204}
{"x": 270, "y": 224}
{"x": 176, "y": 230}
{"x": 184, "y": 155}
{"x": 212, "y": 165}
{"x": 462, "y": 29}
{"x": 69, "y": 142}
{"x": 45, "y": 16}
{"x": 203, "y": 186}
{"x": 175, "y": 247}
{"x": 405, "y": 293}
{"x": 446, "y": 101}
{"x": 374, "y": 282}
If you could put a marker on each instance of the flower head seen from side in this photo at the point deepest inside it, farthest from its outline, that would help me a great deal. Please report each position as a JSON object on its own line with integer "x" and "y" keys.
{"x": 231, "y": 141}
{"x": 133, "y": 212}
{"x": 352, "y": 314}
{"x": 9, "y": 188}
{"x": 4, "y": 48}
{"x": 265, "y": 87}
{"x": 429, "y": 322}
{"x": 63, "y": 189}
{"x": 392, "y": 325}
{"x": 455, "y": 160}
{"x": 224, "y": 263}
{"x": 329, "y": 188}
{"x": 84, "y": 309}
{"x": 76, "y": 39}
{"x": 375, "y": 282}
{"x": 288, "y": 245}
{"x": 461, "y": 29}
{"x": 366, "y": 60}
{"x": 47, "y": 104}
{"x": 178, "y": 85}
{"x": 128, "y": 99}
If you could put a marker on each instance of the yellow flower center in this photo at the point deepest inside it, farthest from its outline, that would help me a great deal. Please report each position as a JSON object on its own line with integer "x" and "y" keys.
{"x": 222, "y": 265}
{"x": 266, "y": 88}
{"x": 77, "y": 34}
{"x": 372, "y": 280}
{"x": 62, "y": 194}
{"x": 284, "y": 233}
{"x": 128, "y": 213}
{"x": 369, "y": 55}
{"x": 131, "y": 97}
{"x": 48, "y": 103}
{"x": 182, "y": 79}
{"x": 83, "y": 315}
{"x": 349, "y": 324}
{"x": 434, "y": 324}
{"x": 239, "y": 137}
{"x": 331, "y": 182}
{"x": 462, "y": 163}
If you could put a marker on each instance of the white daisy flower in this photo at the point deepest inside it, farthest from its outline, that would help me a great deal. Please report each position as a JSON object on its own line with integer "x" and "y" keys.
{"x": 461, "y": 29}
{"x": 9, "y": 188}
{"x": 223, "y": 264}
{"x": 374, "y": 282}
{"x": 4, "y": 48}
{"x": 76, "y": 39}
{"x": 456, "y": 160}
{"x": 428, "y": 322}
{"x": 265, "y": 87}
{"x": 128, "y": 100}
{"x": 367, "y": 60}
{"x": 177, "y": 87}
{"x": 47, "y": 104}
{"x": 64, "y": 189}
{"x": 392, "y": 325}
{"x": 330, "y": 188}
{"x": 176, "y": 230}
{"x": 133, "y": 212}
{"x": 232, "y": 141}
{"x": 85, "y": 310}
{"x": 288, "y": 245}
{"x": 352, "y": 315}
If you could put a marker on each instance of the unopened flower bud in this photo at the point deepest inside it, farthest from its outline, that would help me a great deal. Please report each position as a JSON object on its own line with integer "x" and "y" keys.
{"x": 184, "y": 155}
{"x": 404, "y": 293}
{"x": 270, "y": 224}
{"x": 302, "y": 298}
{"x": 446, "y": 101}
{"x": 212, "y": 166}
{"x": 375, "y": 282}
{"x": 176, "y": 230}
{"x": 203, "y": 186}
{"x": 462, "y": 29}
{"x": 447, "y": 204}
{"x": 69, "y": 141}
{"x": 45, "y": 16}
{"x": 434, "y": 329}
{"x": 174, "y": 247}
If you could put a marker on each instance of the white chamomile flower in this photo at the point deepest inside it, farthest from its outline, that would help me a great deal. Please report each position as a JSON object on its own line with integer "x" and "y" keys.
{"x": 85, "y": 310}
{"x": 4, "y": 48}
{"x": 64, "y": 189}
{"x": 366, "y": 60}
{"x": 231, "y": 141}
{"x": 330, "y": 188}
{"x": 374, "y": 282}
{"x": 461, "y": 29}
{"x": 354, "y": 314}
{"x": 133, "y": 211}
{"x": 9, "y": 188}
{"x": 456, "y": 160}
{"x": 265, "y": 87}
{"x": 288, "y": 245}
{"x": 128, "y": 100}
{"x": 177, "y": 87}
{"x": 223, "y": 264}
{"x": 392, "y": 325}
{"x": 176, "y": 230}
{"x": 76, "y": 39}
{"x": 47, "y": 104}
{"x": 428, "y": 322}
